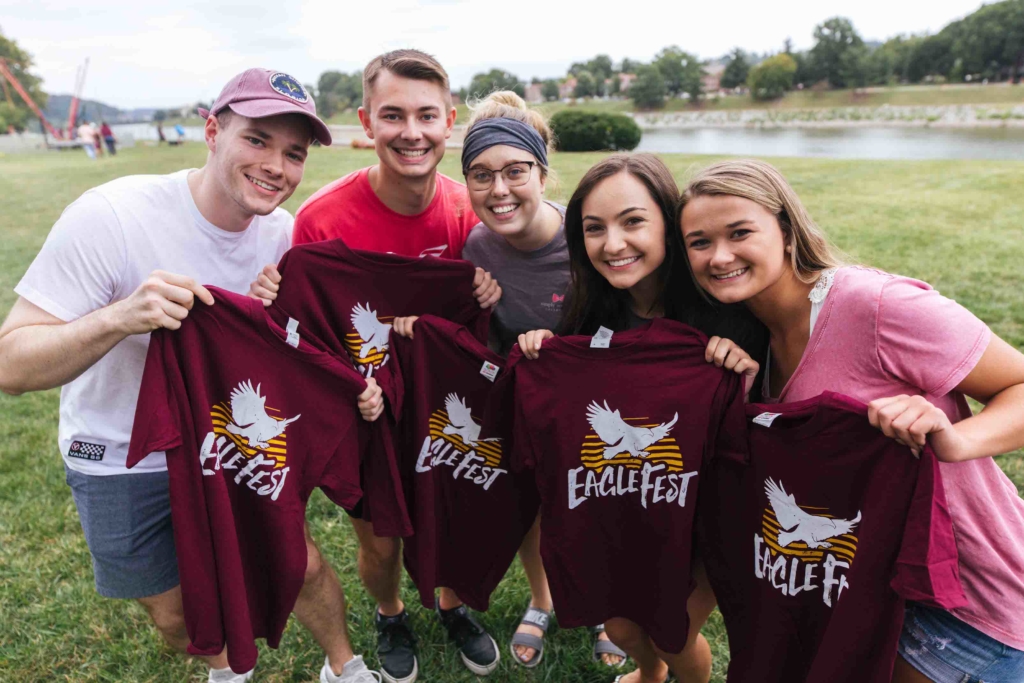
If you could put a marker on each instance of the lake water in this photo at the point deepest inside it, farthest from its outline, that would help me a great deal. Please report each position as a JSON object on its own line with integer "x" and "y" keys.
{"x": 839, "y": 143}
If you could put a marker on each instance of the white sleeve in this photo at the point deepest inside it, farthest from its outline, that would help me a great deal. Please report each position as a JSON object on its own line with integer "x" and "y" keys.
{"x": 81, "y": 264}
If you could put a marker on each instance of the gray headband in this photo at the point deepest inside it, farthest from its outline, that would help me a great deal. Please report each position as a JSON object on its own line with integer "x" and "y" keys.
{"x": 501, "y": 131}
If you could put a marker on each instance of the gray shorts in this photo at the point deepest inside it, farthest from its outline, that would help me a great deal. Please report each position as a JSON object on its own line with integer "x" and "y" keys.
{"x": 127, "y": 523}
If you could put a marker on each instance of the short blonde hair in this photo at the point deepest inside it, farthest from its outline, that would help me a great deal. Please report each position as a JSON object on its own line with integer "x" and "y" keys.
{"x": 407, "y": 63}
{"x": 505, "y": 104}
{"x": 763, "y": 184}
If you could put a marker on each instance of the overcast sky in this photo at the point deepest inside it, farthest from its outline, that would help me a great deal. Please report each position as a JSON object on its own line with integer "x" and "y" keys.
{"x": 178, "y": 52}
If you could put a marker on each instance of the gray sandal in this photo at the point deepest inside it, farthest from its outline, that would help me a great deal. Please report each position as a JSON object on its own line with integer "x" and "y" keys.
{"x": 606, "y": 647}
{"x": 538, "y": 618}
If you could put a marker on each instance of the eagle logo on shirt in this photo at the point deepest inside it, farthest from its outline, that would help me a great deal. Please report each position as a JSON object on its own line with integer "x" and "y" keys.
{"x": 803, "y": 531}
{"x": 368, "y": 345}
{"x": 628, "y": 441}
{"x": 456, "y": 425}
{"x": 248, "y": 423}
{"x": 249, "y": 416}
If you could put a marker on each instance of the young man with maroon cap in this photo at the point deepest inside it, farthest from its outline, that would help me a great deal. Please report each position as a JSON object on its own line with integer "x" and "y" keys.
{"x": 401, "y": 205}
{"x": 128, "y": 258}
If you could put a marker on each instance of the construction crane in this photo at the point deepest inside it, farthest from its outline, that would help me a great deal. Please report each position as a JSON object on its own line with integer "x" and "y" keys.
{"x": 6, "y": 73}
{"x": 79, "y": 84}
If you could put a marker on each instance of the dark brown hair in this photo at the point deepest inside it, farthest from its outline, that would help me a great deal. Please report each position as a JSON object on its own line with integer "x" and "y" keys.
{"x": 592, "y": 301}
{"x": 406, "y": 63}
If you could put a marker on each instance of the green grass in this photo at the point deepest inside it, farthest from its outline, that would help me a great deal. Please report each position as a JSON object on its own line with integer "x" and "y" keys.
{"x": 957, "y": 225}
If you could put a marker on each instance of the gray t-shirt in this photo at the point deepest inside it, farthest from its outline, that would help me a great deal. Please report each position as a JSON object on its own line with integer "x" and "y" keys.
{"x": 533, "y": 283}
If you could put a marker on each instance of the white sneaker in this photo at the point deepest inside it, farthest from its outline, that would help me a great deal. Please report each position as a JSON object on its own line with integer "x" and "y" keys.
{"x": 354, "y": 671}
{"x": 228, "y": 676}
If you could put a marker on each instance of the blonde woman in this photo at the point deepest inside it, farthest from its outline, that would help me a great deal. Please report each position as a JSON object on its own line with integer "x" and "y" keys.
{"x": 912, "y": 356}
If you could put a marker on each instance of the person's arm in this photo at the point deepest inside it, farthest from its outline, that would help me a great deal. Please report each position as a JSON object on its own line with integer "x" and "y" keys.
{"x": 996, "y": 381}
{"x": 39, "y": 351}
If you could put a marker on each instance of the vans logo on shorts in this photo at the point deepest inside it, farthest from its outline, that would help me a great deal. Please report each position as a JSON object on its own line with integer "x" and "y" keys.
{"x": 86, "y": 451}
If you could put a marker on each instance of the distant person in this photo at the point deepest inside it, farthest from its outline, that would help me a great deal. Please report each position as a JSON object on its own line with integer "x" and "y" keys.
{"x": 180, "y": 130}
{"x": 97, "y": 138}
{"x": 87, "y": 139}
{"x": 108, "y": 137}
{"x": 123, "y": 260}
{"x": 161, "y": 138}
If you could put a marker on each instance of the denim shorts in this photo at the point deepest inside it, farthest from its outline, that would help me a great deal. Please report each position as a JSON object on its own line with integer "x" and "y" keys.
{"x": 947, "y": 650}
{"x": 127, "y": 523}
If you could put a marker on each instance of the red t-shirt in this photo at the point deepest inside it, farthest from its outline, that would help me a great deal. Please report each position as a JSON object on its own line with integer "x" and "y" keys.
{"x": 813, "y": 547}
{"x": 469, "y": 512}
{"x": 347, "y": 299}
{"x": 617, "y": 439}
{"x": 251, "y": 426}
{"x": 350, "y": 210}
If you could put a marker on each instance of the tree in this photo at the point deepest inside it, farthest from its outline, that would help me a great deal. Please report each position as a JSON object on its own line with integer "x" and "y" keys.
{"x": 770, "y": 79}
{"x": 838, "y": 53}
{"x": 549, "y": 89}
{"x": 736, "y": 71}
{"x": 586, "y": 85}
{"x": 484, "y": 84}
{"x": 629, "y": 66}
{"x": 682, "y": 72}
{"x": 337, "y": 91}
{"x": 890, "y": 62}
{"x": 159, "y": 115}
{"x": 648, "y": 90}
{"x": 19, "y": 62}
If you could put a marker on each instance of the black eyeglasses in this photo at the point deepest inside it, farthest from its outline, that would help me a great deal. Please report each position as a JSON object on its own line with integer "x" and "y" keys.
{"x": 515, "y": 174}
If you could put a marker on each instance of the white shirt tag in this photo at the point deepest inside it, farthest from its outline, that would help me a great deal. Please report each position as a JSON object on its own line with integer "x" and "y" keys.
{"x": 601, "y": 340}
{"x": 765, "y": 419}
{"x": 489, "y": 370}
{"x": 293, "y": 336}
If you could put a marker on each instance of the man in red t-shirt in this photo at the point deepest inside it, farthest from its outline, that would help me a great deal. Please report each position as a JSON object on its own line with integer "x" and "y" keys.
{"x": 401, "y": 205}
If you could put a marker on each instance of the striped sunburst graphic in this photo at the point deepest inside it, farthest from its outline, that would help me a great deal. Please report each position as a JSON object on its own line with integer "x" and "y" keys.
{"x": 664, "y": 451}
{"x": 277, "y": 450}
{"x": 844, "y": 546}
{"x": 490, "y": 451}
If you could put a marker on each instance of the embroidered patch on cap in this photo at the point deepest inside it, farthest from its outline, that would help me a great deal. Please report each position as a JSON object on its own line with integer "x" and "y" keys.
{"x": 289, "y": 87}
{"x": 86, "y": 451}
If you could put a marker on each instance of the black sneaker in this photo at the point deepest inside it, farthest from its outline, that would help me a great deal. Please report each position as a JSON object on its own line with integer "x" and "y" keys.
{"x": 396, "y": 648}
{"x": 478, "y": 650}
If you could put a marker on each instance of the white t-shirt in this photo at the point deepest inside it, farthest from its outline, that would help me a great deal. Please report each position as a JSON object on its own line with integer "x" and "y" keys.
{"x": 99, "y": 251}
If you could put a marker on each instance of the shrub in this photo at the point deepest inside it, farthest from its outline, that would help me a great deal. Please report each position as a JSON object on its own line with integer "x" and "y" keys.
{"x": 771, "y": 78}
{"x": 587, "y": 131}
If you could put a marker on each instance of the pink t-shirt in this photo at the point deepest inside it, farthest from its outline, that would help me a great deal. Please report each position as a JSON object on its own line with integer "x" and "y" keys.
{"x": 882, "y": 335}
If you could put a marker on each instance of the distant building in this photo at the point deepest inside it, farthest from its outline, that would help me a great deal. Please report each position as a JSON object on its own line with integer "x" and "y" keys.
{"x": 533, "y": 93}
{"x": 567, "y": 88}
{"x": 456, "y": 98}
{"x": 712, "y": 79}
{"x": 626, "y": 80}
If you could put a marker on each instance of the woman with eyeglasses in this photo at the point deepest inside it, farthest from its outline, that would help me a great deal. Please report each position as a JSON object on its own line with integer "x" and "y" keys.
{"x": 520, "y": 240}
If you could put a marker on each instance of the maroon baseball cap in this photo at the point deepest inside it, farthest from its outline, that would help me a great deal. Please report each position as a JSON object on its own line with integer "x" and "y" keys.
{"x": 257, "y": 93}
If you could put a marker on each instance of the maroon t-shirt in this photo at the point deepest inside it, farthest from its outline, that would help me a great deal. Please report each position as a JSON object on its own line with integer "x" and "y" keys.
{"x": 812, "y": 547}
{"x": 469, "y": 512}
{"x": 617, "y": 439}
{"x": 348, "y": 298}
{"x": 251, "y": 425}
